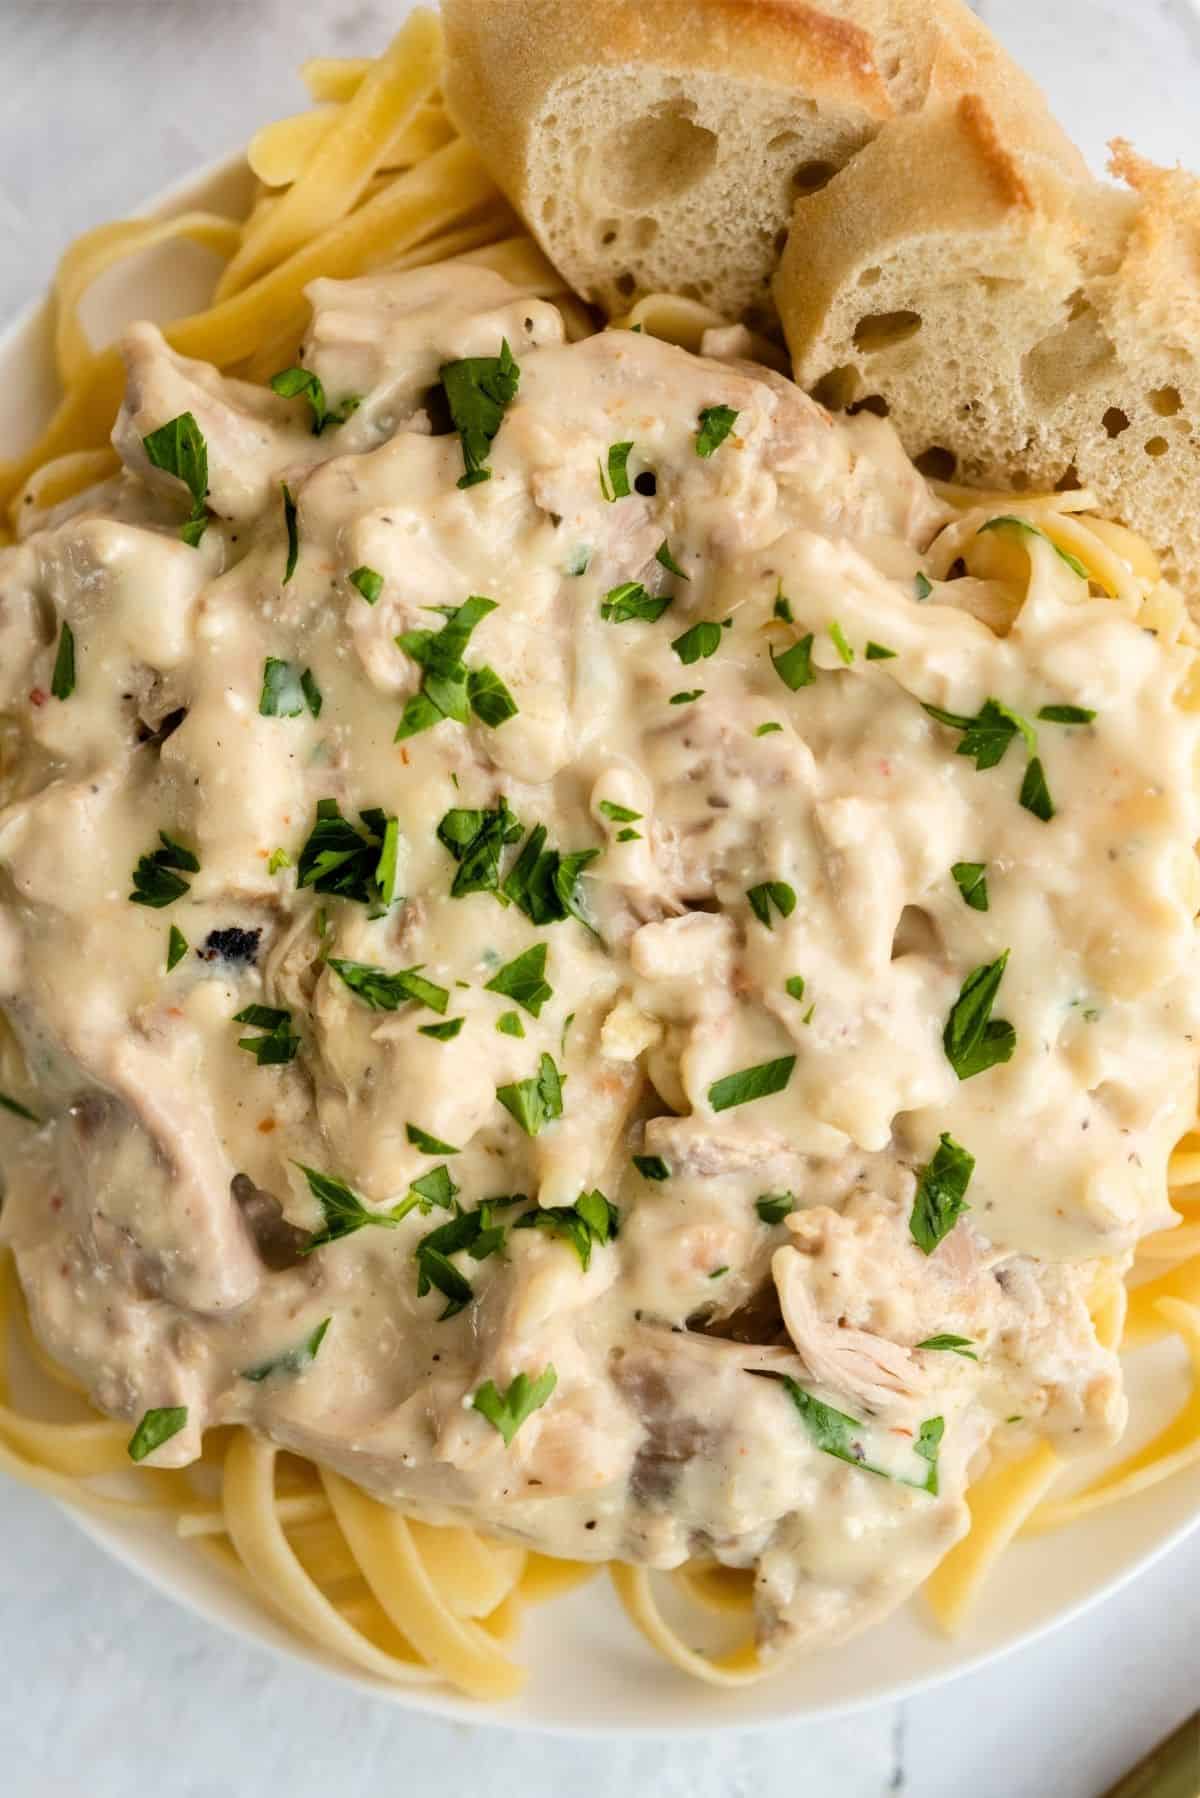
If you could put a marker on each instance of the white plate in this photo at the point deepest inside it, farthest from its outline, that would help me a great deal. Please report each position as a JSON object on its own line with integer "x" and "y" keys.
{"x": 588, "y": 1669}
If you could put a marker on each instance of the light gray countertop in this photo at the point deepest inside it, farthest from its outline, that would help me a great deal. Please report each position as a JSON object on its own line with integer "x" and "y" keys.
{"x": 107, "y": 1689}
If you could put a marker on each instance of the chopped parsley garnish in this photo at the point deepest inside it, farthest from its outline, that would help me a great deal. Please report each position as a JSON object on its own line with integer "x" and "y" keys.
{"x": 523, "y": 979}
{"x": 686, "y": 698}
{"x": 971, "y": 880}
{"x": 941, "y": 1194}
{"x": 953, "y": 1345}
{"x": 923, "y": 585}
{"x": 1066, "y": 714}
{"x": 509, "y": 1024}
{"x": 342, "y": 1211}
{"x": 773, "y": 1207}
{"x": 286, "y": 690}
{"x": 368, "y": 581}
{"x": 177, "y": 947}
{"x": 475, "y": 839}
{"x": 986, "y": 736}
{"x": 178, "y": 448}
{"x": 929, "y": 1440}
{"x": 290, "y": 383}
{"x": 448, "y": 689}
{"x": 620, "y": 814}
{"x": 479, "y": 391}
{"x": 794, "y": 666}
{"x": 837, "y": 637}
{"x": 765, "y": 730}
{"x": 629, "y": 835}
{"x": 18, "y": 1110}
{"x": 428, "y": 1145}
{"x": 544, "y": 883}
{"x": 293, "y": 535}
{"x": 154, "y": 882}
{"x": 698, "y": 642}
{"x": 157, "y": 1426}
{"x": 973, "y": 1040}
{"x": 718, "y": 1271}
{"x": 617, "y": 485}
{"x": 793, "y": 986}
{"x": 387, "y": 992}
{"x": 629, "y": 601}
{"x": 591, "y": 1219}
{"x": 442, "y": 1033}
{"x": 652, "y": 1167}
{"x": 751, "y": 1083}
{"x": 355, "y": 864}
{"x": 783, "y": 605}
{"x": 469, "y": 1230}
{"x": 579, "y": 559}
{"x": 507, "y": 1411}
{"x": 1011, "y": 523}
{"x": 294, "y": 1360}
{"x": 434, "y": 1188}
{"x": 537, "y": 1101}
{"x": 62, "y": 681}
{"x": 716, "y": 422}
{"x": 663, "y": 555}
{"x": 775, "y": 893}
{"x": 277, "y": 860}
{"x": 879, "y": 652}
{"x": 1035, "y": 794}
{"x": 835, "y": 1433}
{"x": 276, "y": 1045}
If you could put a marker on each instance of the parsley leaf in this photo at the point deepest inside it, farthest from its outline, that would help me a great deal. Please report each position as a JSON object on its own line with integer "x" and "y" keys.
{"x": 794, "y": 666}
{"x": 941, "y": 1194}
{"x": 591, "y": 1219}
{"x": 953, "y": 1345}
{"x": 578, "y": 560}
{"x": 507, "y": 1411}
{"x": 368, "y": 581}
{"x": 387, "y": 992}
{"x": 923, "y": 585}
{"x": 837, "y": 637}
{"x": 428, "y": 1145}
{"x": 973, "y": 1040}
{"x": 277, "y": 1045}
{"x": 929, "y": 1440}
{"x": 523, "y": 979}
{"x": 509, "y": 1024}
{"x": 544, "y": 884}
{"x": 631, "y": 601}
{"x": 490, "y": 699}
{"x": 537, "y": 1101}
{"x": 447, "y": 689}
{"x": 620, "y": 814}
{"x": 837, "y": 1434}
{"x": 1011, "y": 523}
{"x": 479, "y": 390}
{"x": 286, "y": 691}
{"x": 686, "y": 698}
{"x": 177, "y": 947}
{"x": 157, "y": 1426}
{"x": 18, "y": 1110}
{"x": 794, "y": 986}
{"x": 700, "y": 641}
{"x": 766, "y": 730}
{"x": 716, "y": 422}
{"x": 154, "y": 883}
{"x": 773, "y": 1207}
{"x": 751, "y": 1083}
{"x": 663, "y": 555}
{"x": 770, "y": 893}
{"x": 355, "y": 864}
{"x": 1066, "y": 714}
{"x": 476, "y": 839}
{"x": 291, "y": 382}
{"x": 1035, "y": 794}
{"x": 294, "y": 1361}
{"x": 178, "y": 448}
{"x": 293, "y": 535}
{"x": 878, "y": 652}
{"x": 617, "y": 485}
{"x": 442, "y": 1033}
{"x": 313, "y": 697}
{"x": 342, "y": 1211}
{"x": 652, "y": 1167}
{"x": 62, "y": 681}
{"x": 971, "y": 880}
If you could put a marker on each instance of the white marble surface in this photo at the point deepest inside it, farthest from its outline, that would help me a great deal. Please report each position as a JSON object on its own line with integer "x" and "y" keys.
{"x": 106, "y": 1689}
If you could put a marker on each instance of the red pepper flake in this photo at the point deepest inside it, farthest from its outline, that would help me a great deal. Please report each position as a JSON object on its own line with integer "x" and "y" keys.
{"x": 266, "y": 1125}
{"x": 38, "y": 696}
{"x": 56, "y": 1203}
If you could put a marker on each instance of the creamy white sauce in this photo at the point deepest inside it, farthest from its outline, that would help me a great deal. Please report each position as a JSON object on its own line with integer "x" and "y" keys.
{"x": 142, "y": 1268}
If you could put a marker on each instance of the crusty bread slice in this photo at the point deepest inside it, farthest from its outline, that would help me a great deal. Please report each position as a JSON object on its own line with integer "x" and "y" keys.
{"x": 1020, "y": 330}
{"x": 660, "y": 144}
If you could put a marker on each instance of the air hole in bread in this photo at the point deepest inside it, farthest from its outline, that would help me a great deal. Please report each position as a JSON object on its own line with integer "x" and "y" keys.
{"x": 837, "y": 388}
{"x": 1115, "y": 421}
{"x": 654, "y": 158}
{"x": 937, "y": 463}
{"x": 811, "y": 177}
{"x": 1166, "y": 401}
{"x": 780, "y": 244}
{"x": 883, "y": 330}
{"x": 644, "y": 233}
{"x": 625, "y": 285}
{"x": 607, "y": 231}
{"x": 874, "y": 402}
{"x": 1157, "y": 446}
{"x": 550, "y": 209}
{"x": 870, "y": 276}
{"x": 1068, "y": 480}
{"x": 783, "y": 140}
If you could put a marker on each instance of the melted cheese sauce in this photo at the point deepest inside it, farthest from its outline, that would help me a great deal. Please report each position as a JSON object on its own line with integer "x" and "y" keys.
{"x": 159, "y": 1216}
